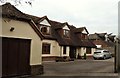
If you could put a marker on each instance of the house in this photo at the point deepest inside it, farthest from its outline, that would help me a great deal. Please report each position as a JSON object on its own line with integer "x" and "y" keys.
{"x": 84, "y": 45}
{"x": 51, "y": 45}
{"x": 21, "y": 43}
{"x": 62, "y": 39}
{"x": 103, "y": 41}
{"x": 56, "y": 39}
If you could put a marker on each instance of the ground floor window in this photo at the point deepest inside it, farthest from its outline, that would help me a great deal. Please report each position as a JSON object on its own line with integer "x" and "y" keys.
{"x": 45, "y": 48}
{"x": 88, "y": 50}
{"x": 64, "y": 49}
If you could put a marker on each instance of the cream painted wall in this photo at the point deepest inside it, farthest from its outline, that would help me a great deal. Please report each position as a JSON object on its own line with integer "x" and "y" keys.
{"x": 67, "y": 51}
{"x": 80, "y": 51}
{"x": 54, "y": 48}
{"x": 45, "y": 22}
{"x": 85, "y": 32}
{"x": 66, "y": 27}
{"x": 24, "y": 31}
{"x": 92, "y": 51}
{"x": 83, "y": 50}
{"x": 77, "y": 52}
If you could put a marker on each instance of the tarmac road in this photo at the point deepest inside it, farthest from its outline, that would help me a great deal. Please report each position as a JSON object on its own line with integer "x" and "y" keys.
{"x": 79, "y": 69}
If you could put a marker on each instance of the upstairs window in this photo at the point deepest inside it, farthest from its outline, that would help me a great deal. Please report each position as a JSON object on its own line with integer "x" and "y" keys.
{"x": 83, "y": 36}
{"x": 66, "y": 33}
{"x": 45, "y": 30}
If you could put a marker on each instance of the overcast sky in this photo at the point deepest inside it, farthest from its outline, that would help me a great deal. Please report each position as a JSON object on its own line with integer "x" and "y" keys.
{"x": 96, "y": 15}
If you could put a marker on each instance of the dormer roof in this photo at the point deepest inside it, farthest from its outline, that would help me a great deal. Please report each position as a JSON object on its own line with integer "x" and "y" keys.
{"x": 81, "y": 30}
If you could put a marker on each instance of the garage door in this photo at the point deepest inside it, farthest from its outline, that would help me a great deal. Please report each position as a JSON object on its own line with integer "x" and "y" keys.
{"x": 15, "y": 57}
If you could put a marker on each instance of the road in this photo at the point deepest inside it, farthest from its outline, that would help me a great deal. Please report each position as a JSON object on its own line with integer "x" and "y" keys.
{"x": 79, "y": 69}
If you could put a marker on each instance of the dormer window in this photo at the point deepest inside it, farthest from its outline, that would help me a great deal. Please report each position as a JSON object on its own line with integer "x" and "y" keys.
{"x": 66, "y": 33}
{"x": 45, "y": 27}
{"x": 45, "y": 30}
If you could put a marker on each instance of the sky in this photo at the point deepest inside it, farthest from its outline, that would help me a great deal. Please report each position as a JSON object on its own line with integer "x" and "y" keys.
{"x": 98, "y": 16}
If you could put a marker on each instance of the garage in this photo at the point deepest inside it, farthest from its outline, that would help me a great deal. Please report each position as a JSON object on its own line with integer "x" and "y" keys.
{"x": 15, "y": 56}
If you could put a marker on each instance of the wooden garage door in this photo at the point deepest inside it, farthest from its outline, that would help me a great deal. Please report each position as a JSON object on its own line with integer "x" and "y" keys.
{"x": 15, "y": 56}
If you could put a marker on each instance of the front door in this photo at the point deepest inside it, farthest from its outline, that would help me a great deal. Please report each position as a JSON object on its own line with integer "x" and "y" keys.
{"x": 72, "y": 52}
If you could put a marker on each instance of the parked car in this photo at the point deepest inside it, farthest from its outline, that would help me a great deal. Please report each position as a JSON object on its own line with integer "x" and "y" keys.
{"x": 104, "y": 54}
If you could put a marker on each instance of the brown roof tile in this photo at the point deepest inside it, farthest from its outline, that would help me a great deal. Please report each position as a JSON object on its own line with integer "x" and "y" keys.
{"x": 9, "y": 11}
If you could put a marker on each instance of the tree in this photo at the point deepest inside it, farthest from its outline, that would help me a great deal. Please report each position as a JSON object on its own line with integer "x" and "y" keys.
{"x": 17, "y": 2}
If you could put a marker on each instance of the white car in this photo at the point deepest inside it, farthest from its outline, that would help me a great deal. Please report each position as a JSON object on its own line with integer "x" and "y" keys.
{"x": 102, "y": 54}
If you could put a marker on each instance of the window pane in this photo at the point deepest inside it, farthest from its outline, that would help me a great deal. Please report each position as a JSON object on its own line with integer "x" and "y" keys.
{"x": 45, "y": 48}
{"x": 64, "y": 50}
{"x": 45, "y": 30}
{"x": 66, "y": 33}
{"x": 88, "y": 50}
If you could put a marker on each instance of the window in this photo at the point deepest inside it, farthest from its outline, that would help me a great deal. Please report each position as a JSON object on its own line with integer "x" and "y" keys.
{"x": 106, "y": 51}
{"x": 66, "y": 33}
{"x": 45, "y": 48}
{"x": 64, "y": 49}
{"x": 45, "y": 30}
{"x": 83, "y": 36}
{"x": 88, "y": 50}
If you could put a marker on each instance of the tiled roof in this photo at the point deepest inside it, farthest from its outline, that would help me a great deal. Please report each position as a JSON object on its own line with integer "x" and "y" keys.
{"x": 97, "y": 36}
{"x": 80, "y": 30}
{"x": 9, "y": 11}
{"x": 73, "y": 40}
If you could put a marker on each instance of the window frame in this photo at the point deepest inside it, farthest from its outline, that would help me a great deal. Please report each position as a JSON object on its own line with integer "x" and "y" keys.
{"x": 88, "y": 50}
{"x": 46, "y": 48}
{"x": 66, "y": 33}
{"x": 64, "y": 50}
{"x": 48, "y": 29}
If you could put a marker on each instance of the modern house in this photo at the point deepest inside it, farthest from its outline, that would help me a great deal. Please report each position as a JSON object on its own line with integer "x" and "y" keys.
{"x": 85, "y": 45}
{"x": 103, "y": 41}
{"x": 21, "y": 43}
{"x": 36, "y": 39}
{"x": 62, "y": 39}
{"x": 51, "y": 47}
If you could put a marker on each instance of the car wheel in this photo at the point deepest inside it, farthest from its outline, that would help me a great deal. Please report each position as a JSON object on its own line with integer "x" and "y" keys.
{"x": 111, "y": 56}
{"x": 104, "y": 57}
{"x": 95, "y": 58}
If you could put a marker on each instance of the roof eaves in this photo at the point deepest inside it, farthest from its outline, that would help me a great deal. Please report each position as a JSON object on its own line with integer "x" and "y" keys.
{"x": 33, "y": 25}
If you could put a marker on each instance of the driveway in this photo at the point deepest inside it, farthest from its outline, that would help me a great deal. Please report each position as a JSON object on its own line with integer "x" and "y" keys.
{"x": 79, "y": 67}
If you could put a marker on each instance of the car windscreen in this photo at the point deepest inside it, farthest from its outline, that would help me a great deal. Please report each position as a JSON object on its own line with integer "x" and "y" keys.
{"x": 96, "y": 52}
{"x": 106, "y": 51}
